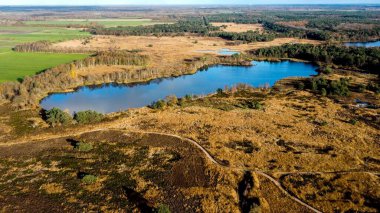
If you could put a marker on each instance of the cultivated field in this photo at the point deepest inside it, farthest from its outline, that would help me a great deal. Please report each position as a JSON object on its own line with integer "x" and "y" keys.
{"x": 11, "y": 69}
{"x": 102, "y": 22}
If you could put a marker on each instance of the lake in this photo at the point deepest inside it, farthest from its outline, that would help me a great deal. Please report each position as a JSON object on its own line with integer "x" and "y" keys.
{"x": 108, "y": 98}
{"x": 363, "y": 44}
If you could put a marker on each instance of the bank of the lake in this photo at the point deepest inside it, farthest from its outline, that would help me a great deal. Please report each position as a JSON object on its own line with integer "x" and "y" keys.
{"x": 108, "y": 98}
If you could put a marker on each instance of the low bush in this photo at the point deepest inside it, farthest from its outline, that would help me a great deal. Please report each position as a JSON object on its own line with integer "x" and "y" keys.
{"x": 160, "y": 104}
{"x": 83, "y": 147}
{"x": 89, "y": 179}
{"x": 56, "y": 117}
{"x": 163, "y": 209}
{"x": 88, "y": 116}
{"x": 330, "y": 87}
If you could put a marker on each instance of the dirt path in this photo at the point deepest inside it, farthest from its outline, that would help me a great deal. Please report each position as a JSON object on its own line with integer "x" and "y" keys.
{"x": 211, "y": 158}
{"x": 206, "y": 153}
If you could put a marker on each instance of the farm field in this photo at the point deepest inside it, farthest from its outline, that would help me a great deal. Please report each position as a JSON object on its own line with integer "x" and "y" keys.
{"x": 103, "y": 22}
{"x": 12, "y": 69}
{"x": 13, "y": 35}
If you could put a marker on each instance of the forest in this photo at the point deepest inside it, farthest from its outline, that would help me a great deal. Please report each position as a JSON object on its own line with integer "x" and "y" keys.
{"x": 359, "y": 58}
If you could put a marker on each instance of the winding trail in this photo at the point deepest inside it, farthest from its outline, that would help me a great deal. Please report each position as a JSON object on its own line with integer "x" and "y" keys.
{"x": 202, "y": 149}
{"x": 212, "y": 159}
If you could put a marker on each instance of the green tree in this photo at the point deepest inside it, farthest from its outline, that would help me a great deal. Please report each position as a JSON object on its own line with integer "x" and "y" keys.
{"x": 88, "y": 116}
{"x": 56, "y": 116}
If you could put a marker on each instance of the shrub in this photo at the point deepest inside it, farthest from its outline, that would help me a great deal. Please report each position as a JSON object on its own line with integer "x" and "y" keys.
{"x": 160, "y": 104}
{"x": 88, "y": 116}
{"x": 361, "y": 88}
{"x": 171, "y": 100}
{"x": 329, "y": 87}
{"x": 373, "y": 87}
{"x": 219, "y": 91}
{"x": 89, "y": 179}
{"x": 323, "y": 92}
{"x": 163, "y": 209}
{"x": 300, "y": 85}
{"x": 83, "y": 147}
{"x": 188, "y": 97}
{"x": 353, "y": 121}
{"x": 325, "y": 70}
{"x": 56, "y": 116}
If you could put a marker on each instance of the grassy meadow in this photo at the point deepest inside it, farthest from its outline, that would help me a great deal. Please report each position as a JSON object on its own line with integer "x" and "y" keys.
{"x": 15, "y": 65}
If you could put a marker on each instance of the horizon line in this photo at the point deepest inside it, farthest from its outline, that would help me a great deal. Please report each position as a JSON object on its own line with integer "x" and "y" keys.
{"x": 209, "y": 4}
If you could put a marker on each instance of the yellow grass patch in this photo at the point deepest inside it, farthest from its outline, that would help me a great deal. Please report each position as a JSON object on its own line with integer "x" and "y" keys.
{"x": 165, "y": 53}
{"x": 53, "y": 188}
{"x": 238, "y": 28}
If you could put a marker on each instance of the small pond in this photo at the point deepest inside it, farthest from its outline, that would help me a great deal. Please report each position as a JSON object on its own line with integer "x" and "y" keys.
{"x": 223, "y": 51}
{"x": 108, "y": 98}
{"x": 363, "y": 44}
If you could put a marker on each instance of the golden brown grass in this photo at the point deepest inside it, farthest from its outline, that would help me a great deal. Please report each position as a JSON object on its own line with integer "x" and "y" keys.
{"x": 300, "y": 24}
{"x": 165, "y": 53}
{"x": 239, "y": 28}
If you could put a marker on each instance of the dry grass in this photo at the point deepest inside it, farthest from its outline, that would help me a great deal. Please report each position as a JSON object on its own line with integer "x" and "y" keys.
{"x": 166, "y": 53}
{"x": 297, "y": 24}
{"x": 239, "y": 28}
{"x": 52, "y": 188}
{"x": 347, "y": 192}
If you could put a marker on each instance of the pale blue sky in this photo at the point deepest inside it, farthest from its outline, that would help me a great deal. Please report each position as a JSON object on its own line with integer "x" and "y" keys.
{"x": 151, "y": 2}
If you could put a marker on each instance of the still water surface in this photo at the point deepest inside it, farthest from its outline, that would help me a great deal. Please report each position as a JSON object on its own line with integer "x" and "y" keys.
{"x": 363, "y": 44}
{"x": 108, "y": 98}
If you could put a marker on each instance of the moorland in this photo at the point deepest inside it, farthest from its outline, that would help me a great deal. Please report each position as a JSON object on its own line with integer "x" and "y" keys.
{"x": 302, "y": 145}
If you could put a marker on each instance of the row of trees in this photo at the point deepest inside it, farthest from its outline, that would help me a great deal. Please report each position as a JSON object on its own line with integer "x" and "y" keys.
{"x": 250, "y": 36}
{"x": 31, "y": 90}
{"x": 297, "y": 32}
{"x": 361, "y": 58}
{"x": 198, "y": 26}
{"x": 37, "y": 46}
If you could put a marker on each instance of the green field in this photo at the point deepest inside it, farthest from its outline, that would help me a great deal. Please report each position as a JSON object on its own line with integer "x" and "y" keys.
{"x": 13, "y": 35}
{"x": 104, "y": 22}
{"x": 15, "y": 65}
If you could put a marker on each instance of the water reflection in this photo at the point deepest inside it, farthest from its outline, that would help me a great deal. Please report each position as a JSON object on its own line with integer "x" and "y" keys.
{"x": 113, "y": 97}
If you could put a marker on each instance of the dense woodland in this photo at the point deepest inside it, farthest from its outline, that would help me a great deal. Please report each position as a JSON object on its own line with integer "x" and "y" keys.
{"x": 354, "y": 26}
{"x": 199, "y": 26}
{"x": 360, "y": 58}
{"x": 318, "y": 25}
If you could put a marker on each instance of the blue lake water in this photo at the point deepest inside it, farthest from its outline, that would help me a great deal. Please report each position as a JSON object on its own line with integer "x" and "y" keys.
{"x": 364, "y": 44}
{"x": 116, "y": 97}
{"x": 223, "y": 51}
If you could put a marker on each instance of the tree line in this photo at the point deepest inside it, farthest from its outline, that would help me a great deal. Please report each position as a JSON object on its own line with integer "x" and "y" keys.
{"x": 31, "y": 90}
{"x": 352, "y": 57}
{"x": 199, "y": 26}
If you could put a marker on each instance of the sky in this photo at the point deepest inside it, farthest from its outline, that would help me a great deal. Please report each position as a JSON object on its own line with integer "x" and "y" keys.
{"x": 159, "y": 2}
